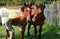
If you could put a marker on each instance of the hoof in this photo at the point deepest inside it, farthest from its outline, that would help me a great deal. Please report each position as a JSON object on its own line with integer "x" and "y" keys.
{"x": 8, "y": 38}
{"x": 35, "y": 38}
{"x": 39, "y": 37}
{"x": 29, "y": 37}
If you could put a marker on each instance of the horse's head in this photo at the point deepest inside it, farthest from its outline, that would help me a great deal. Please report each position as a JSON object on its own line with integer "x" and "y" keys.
{"x": 27, "y": 10}
{"x": 26, "y": 7}
{"x": 40, "y": 8}
{"x": 37, "y": 11}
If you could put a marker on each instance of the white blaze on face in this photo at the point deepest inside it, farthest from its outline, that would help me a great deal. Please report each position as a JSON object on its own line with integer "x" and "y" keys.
{"x": 28, "y": 9}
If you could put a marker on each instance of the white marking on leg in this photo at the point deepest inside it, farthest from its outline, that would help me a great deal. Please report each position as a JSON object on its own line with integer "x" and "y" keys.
{"x": 7, "y": 38}
{"x": 11, "y": 34}
{"x": 21, "y": 30}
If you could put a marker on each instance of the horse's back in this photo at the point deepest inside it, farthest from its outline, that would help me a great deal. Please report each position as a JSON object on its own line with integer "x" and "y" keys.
{"x": 4, "y": 11}
{"x": 3, "y": 15}
{"x": 13, "y": 14}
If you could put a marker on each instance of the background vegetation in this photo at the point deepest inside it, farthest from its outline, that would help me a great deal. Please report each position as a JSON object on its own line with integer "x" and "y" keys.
{"x": 20, "y": 2}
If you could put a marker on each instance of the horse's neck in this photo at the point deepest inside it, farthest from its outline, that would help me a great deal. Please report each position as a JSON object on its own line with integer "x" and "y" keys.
{"x": 19, "y": 12}
{"x": 34, "y": 11}
{"x": 33, "y": 6}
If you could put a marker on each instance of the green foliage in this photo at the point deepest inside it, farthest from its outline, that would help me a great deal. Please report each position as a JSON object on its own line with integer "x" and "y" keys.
{"x": 22, "y": 1}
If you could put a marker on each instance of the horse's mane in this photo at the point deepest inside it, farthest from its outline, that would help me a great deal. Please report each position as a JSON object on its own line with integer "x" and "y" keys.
{"x": 22, "y": 8}
{"x": 42, "y": 6}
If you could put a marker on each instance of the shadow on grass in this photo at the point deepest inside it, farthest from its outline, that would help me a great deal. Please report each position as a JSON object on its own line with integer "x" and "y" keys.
{"x": 25, "y": 37}
{"x": 51, "y": 34}
{"x": 2, "y": 36}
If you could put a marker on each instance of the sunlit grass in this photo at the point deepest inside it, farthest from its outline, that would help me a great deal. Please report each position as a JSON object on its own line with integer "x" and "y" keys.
{"x": 48, "y": 32}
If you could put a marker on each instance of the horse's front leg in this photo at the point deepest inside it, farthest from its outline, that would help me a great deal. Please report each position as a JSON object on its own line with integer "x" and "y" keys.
{"x": 40, "y": 30}
{"x": 35, "y": 32}
{"x": 29, "y": 25}
{"x": 7, "y": 34}
{"x": 22, "y": 30}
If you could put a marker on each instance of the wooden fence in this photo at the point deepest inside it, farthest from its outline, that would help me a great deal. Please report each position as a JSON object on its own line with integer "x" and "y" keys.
{"x": 52, "y": 14}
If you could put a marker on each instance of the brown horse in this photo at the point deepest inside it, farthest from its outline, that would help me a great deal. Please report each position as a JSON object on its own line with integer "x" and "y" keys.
{"x": 20, "y": 21}
{"x": 37, "y": 19}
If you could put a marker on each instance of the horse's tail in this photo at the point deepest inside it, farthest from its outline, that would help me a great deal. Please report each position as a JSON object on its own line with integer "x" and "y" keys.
{"x": 0, "y": 21}
{"x": 0, "y": 24}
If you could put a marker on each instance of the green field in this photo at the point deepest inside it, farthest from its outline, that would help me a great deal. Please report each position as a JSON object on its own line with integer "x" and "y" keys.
{"x": 49, "y": 32}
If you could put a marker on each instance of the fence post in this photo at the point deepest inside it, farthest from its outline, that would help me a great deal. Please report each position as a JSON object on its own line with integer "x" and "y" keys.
{"x": 51, "y": 14}
{"x": 58, "y": 8}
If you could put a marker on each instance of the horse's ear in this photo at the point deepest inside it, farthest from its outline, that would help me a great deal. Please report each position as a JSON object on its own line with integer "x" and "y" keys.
{"x": 25, "y": 3}
{"x": 32, "y": 3}
{"x": 44, "y": 6}
{"x": 22, "y": 8}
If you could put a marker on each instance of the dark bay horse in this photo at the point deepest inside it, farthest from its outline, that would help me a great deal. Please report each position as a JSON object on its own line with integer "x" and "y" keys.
{"x": 20, "y": 21}
{"x": 37, "y": 19}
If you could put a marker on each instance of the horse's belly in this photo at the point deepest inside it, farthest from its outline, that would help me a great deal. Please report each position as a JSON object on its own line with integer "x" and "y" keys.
{"x": 19, "y": 22}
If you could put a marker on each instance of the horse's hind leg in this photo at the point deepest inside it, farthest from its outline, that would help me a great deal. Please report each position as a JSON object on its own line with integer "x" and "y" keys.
{"x": 7, "y": 34}
{"x": 9, "y": 31}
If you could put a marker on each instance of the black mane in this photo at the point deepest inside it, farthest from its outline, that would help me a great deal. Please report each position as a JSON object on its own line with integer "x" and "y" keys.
{"x": 42, "y": 6}
{"x": 22, "y": 8}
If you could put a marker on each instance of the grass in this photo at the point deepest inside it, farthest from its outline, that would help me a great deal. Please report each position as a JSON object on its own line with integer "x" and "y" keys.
{"x": 48, "y": 32}
{"x": 12, "y": 7}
